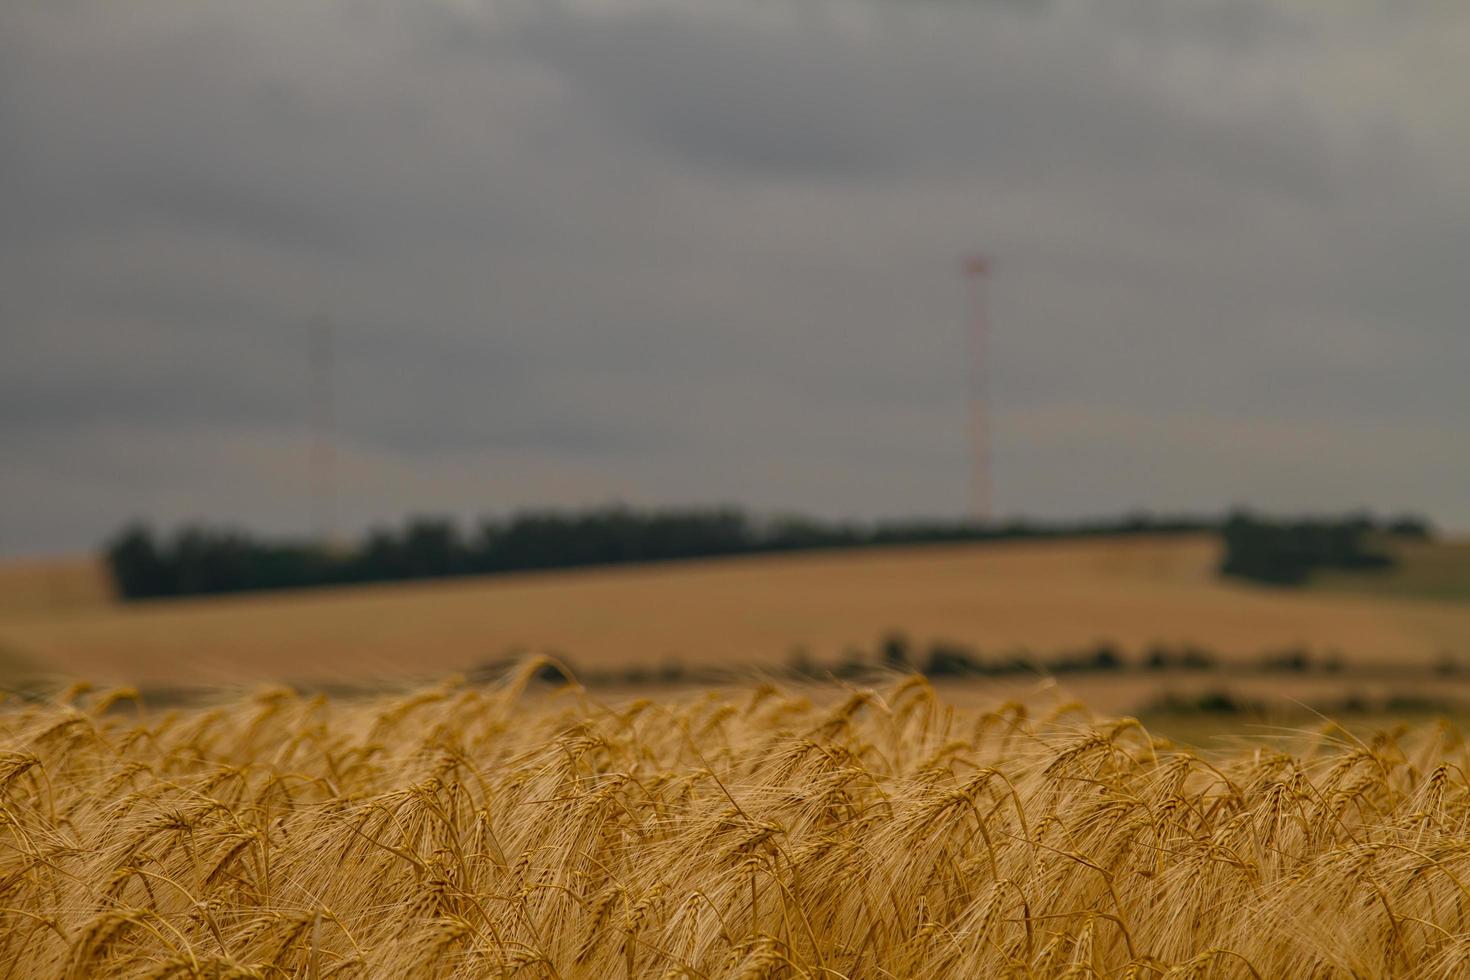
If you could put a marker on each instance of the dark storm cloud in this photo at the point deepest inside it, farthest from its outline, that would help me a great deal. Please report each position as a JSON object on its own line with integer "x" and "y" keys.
{"x": 800, "y": 99}
{"x": 575, "y": 251}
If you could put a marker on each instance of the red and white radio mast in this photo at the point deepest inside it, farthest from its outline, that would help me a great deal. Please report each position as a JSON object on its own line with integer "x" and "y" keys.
{"x": 323, "y": 460}
{"x": 977, "y": 275}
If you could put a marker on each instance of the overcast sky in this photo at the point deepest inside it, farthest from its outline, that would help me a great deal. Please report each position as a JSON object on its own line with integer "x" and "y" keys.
{"x": 698, "y": 252}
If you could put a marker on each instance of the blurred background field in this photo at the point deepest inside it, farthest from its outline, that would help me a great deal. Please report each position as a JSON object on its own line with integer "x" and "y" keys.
{"x": 55, "y": 588}
{"x": 1392, "y": 638}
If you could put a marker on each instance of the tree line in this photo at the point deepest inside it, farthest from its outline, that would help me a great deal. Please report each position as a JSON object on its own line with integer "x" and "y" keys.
{"x": 1287, "y": 552}
{"x": 202, "y": 560}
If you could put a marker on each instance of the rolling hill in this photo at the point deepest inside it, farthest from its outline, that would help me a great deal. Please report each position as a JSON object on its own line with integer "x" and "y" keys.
{"x": 1042, "y": 596}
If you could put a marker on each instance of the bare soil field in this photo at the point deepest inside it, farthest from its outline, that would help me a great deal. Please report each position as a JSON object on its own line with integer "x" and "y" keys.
{"x": 997, "y": 597}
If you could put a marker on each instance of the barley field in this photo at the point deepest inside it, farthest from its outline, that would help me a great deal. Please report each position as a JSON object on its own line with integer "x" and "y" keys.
{"x": 1041, "y": 595}
{"x": 527, "y": 829}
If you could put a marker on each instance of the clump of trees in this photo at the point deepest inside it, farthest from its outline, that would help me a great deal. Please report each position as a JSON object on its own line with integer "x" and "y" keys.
{"x": 1287, "y": 552}
{"x": 201, "y": 560}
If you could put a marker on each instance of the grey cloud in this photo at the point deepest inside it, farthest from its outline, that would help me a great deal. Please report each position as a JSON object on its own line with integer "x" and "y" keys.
{"x": 799, "y": 98}
{"x": 194, "y": 200}
{"x": 707, "y": 251}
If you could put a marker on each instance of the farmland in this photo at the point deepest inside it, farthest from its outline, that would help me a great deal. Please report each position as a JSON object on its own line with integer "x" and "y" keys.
{"x": 1426, "y": 570}
{"x": 521, "y": 824}
{"x": 53, "y": 588}
{"x": 750, "y": 832}
{"x": 1038, "y": 596}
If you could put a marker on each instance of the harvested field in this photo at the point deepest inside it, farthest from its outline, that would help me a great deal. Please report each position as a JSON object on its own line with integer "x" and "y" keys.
{"x": 502, "y": 831}
{"x": 53, "y": 588}
{"x": 1424, "y": 570}
{"x": 1042, "y": 596}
